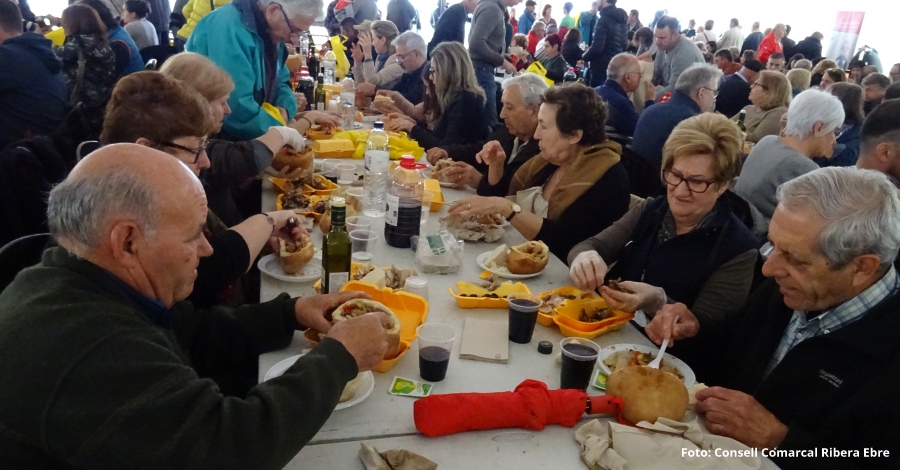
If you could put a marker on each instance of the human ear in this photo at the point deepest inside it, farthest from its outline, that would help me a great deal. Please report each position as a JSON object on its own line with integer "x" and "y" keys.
{"x": 865, "y": 267}
{"x": 125, "y": 239}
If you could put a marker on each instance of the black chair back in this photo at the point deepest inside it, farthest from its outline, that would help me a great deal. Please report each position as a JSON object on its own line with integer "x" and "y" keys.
{"x": 19, "y": 254}
{"x": 643, "y": 177}
{"x": 159, "y": 53}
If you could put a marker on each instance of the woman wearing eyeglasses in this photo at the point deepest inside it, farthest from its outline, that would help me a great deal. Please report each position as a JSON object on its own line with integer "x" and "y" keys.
{"x": 151, "y": 109}
{"x": 687, "y": 248}
{"x": 847, "y": 143}
{"x": 770, "y": 96}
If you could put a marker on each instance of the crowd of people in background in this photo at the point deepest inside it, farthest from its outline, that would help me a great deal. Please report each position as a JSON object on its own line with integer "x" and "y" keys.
{"x": 662, "y": 155}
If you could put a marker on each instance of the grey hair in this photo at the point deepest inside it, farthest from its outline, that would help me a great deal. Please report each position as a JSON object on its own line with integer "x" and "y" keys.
{"x": 803, "y": 64}
{"x": 531, "y": 86}
{"x": 860, "y": 208}
{"x": 538, "y": 25}
{"x": 619, "y": 66}
{"x": 305, "y": 8}
{"x": 697, "y": 76}
{"x": 810, "y": 107}
{"x": 411, "y": 41}
{"x": 79, "y": 208}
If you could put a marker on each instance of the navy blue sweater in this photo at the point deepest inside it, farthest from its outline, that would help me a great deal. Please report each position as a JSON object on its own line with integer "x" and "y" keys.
{"x": 656, "y": 123}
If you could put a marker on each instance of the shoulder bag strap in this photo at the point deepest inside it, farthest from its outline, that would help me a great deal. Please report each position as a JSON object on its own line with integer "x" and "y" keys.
{"x": 212, "y": 5}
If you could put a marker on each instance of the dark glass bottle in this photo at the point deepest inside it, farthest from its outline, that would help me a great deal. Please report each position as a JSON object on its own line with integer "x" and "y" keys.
{"x": 336, "y": 250}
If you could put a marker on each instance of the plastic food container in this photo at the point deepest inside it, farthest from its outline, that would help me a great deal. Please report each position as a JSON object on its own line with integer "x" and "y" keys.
{"x": 547, "y": 319}
{"x": 567, "y": 319}
{"x": 485, "y": 302}
{"x": 313, "y": 200}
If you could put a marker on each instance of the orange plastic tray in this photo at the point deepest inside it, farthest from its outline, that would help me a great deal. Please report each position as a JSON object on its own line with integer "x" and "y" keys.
{"x": 284, "y": 185}
{"x": 567, "y": 319}
{"x": 329, "y": 186}
{"x": 313, "y": 198}
{"x": 547, "y": 319}
{"x": 485, "y": 302}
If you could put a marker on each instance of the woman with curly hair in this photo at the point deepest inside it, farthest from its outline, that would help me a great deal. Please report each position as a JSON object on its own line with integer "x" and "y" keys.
{"x": 577, "y": 187}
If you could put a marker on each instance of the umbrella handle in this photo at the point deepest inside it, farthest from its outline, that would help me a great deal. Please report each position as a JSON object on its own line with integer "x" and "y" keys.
{"x": 608, "y": 405}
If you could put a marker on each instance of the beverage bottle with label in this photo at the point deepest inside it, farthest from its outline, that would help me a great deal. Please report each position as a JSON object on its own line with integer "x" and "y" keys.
{"x": 378, "y": 164}
{"x": 329, "y": 64}
{"x": 321, "y": 97}
{"x": 404, "y": 204}
{"x": 336, "y": 249}
{"x": 741, "y": 117}
{"x": 570, "y": 75}
{"x": 308, "y": 88}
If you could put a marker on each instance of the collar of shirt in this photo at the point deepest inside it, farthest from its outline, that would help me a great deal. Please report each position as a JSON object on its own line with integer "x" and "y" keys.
{"x": 801, "y": 328}
{"x": 517, "y": 144}
{"x": 739, "y": 74}
{"x": 155, "y": 310}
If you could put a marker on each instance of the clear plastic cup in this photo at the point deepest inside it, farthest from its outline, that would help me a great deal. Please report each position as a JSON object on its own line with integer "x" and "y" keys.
{"x": 578, "y": 358}
{"x": 358, "y": 222}
{"x": 356, "y": 200}
{"x": 435, "y": 346}
{"x": 417, "y": 285}
{"x": 328, "y": 169}
{"x": 346, "y": 173}
{"x": 427, "y": 197}
{"x": 361, "y": 241}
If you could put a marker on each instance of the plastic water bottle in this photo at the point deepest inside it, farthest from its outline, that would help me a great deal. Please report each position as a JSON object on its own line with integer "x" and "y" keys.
{"x": 378, "y": 163}
{"x": 404, "y": 204}
{"x": 348, "y": 101}
{"x": 570, "y": 75}
{"x": 329, "y": 65}
{"x": 304, "y": 47}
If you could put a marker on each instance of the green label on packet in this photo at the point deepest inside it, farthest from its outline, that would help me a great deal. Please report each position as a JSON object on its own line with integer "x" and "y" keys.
{"x": 599, "y": 379}
{"x": 410, "y": 388}
{"x": 436, "y": 244}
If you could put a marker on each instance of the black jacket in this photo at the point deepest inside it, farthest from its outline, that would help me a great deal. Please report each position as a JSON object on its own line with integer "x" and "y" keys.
{"x": 451, "y": 27}
{"x": 838, "y": 390}
{"x": 571, "y": 51}
{"x": 462, "y": 122}
{"x": 610, "y": 36}
{"x": 734, "y": 95}
{"x": 811, "y": 48}
{"x": 751, "y": 42}
{"x": 411, "y": 86}
{"x": 507, "y": 141}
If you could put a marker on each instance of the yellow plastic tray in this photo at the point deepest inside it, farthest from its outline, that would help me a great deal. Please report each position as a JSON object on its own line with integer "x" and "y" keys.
{"x": 486, "y": 302}
{"x": 567, "y": 319}
{"x": 329, "y": 186}
{"x": 547, "y": 319}
{"x": 313, "y": 198}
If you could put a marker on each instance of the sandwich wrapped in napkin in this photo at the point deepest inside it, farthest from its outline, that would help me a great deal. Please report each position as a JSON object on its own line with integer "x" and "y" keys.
{"x": 478, "y": 228}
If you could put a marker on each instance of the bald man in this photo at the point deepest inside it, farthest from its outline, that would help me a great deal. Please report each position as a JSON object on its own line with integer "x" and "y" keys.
{"x": 112, "y": 355}
{"x": 622, "y": 77}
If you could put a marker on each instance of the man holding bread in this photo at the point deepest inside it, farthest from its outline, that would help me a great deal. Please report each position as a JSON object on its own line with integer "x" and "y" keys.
{"x": 814, "y": 360}
{"x": 101, "y": 358}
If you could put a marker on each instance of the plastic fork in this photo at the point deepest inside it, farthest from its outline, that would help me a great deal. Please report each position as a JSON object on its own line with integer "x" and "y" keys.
{"x": 662, "y": 349}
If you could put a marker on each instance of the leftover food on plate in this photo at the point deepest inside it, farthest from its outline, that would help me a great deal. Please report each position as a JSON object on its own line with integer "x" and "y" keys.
{"x": 494, "y": 287}
{"x": 295, "y": 254}
{"x": 480, "y": 228}
{"x": 593, "y": 315}
{"x": 295, "y": 200}
{"x": 391, "y": 277}
{"x": 622, "y": 359}
{"x": 552, "y": 300}
{"x": 357, "y": 307}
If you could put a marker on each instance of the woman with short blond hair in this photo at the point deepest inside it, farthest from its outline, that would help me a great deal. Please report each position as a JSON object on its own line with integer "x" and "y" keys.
{"x": 687, "y": 247}
{"x": 799, "y": 79}
{"x": 770, "y": 96}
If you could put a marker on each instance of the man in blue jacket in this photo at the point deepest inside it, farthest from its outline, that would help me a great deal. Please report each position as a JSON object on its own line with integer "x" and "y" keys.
{"x": 246, "y": 38}
{"x": 622, "y": 77}
{"x": 695, "y": 93}
{"x": 32, "y": 89}
{"x": 526, "y": 21}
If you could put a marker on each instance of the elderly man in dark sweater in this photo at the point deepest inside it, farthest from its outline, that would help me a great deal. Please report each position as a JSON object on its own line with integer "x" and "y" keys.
{"x": 101, "y": 359}
{"x": 623, "y": 77}
{"x": 814, "y": 363}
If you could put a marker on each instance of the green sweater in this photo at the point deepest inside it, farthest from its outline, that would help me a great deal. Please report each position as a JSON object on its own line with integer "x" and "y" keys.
{"x": 90, "y": 379}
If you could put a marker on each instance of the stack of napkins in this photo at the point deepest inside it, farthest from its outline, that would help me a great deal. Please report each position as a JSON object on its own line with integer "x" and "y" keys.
{"x": 485, "y": 340}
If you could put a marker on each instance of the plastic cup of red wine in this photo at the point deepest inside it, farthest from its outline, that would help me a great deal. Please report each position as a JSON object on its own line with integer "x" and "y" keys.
{"x": 435, "y": 345}
{"x": 578, "y": 358}
{"x": 523, "y": 310}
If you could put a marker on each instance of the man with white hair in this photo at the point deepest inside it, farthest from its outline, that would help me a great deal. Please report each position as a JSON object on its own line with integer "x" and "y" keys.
{"x": 412, "y": 55}
{"x": 491, "y": 165}
{"x": 813, "y": 124}
{"x": 246, "y": 38}
{"x": 99, "y": 353}
{"x": 880, "y": 140}
{"x": 622, "y": 77}
{"x": 813, "y": 364}
{"x": 694, "y": 93}
{"x": 772, "y": 43}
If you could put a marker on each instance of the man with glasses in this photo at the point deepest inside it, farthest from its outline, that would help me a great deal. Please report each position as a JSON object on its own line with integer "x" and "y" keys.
{"x": 694, "y": 93}
{"x": 411, "y": 53}
{"x": 246, "y": 38}
{"x": 622, "y": 77}
{"x": 676, "y": 54}
{"x": 734, "y": 90}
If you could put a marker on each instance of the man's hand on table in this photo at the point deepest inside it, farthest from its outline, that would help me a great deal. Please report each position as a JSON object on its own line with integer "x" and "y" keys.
{"x": 639, "y": 296}
{"x": 435, "y": 154}
{"x": 364, "y": 337}
{"x": 315, "y": 312}
{"x": 663, "y": 324}
{"x": 462, "y": 175}
{"x": 365, "y": 89}
{"x": 739, "y": 416}
{"x": 588, "y": 270}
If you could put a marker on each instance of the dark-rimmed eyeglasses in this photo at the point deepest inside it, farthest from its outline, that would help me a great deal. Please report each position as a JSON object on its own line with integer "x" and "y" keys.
{"x": 286, "y": 20}
{"x": 694, "y": 185}
{"x": 759, "y": 85}
{"x": 196, "y": 151}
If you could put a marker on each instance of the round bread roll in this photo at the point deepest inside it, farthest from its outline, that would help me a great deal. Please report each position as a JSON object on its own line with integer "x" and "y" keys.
{"x": 295, "y": 255}
{"x": 358, "y": 307}
{"x": 321, "y": 134}
{"x": 527, "y": 258}
{"x": 648, "y": 394}
{"x": 351, "y": 388}
{"x": 288, "y": 157}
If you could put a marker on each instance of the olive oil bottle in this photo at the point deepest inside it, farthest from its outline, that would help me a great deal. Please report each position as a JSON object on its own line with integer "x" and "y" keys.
{"x": 321, "y": 97}
{"x": 336, "y": 249}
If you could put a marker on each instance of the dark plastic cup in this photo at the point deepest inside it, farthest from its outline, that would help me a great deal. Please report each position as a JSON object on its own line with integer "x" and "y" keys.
{"x": 523, "y": 310}
{"x": 578, "y": 358}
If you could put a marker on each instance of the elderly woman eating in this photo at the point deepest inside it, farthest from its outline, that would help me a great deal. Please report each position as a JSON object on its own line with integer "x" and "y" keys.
{"x": 576, "y": 188}
{"x": 688, "y": 247}
{"x": 770, "y": 96}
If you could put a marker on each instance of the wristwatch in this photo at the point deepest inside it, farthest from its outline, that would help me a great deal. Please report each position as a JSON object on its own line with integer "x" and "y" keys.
{"x": 515, "y": 210}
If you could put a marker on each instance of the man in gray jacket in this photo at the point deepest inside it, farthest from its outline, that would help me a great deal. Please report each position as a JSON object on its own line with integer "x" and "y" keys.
{"x": 487, "y": 43}
{"x": 675, "y": 55}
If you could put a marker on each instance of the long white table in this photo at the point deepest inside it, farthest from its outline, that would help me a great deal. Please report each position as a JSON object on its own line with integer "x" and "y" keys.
{"x": 386, "y": 421}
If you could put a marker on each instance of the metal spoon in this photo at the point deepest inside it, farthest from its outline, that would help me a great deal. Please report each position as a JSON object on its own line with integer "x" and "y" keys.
{"x": 662, "y": 349}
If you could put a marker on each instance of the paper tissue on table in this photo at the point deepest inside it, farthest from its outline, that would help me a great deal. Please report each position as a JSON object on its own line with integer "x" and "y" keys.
{"x": 439, "y": 253}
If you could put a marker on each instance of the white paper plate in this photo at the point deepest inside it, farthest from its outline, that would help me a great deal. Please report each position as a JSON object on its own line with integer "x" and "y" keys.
{"x": 482, "y": 263}
{"x": 271, "y": 265}
{"x": 689, "y": 377}
{"x": 363, "y": 392}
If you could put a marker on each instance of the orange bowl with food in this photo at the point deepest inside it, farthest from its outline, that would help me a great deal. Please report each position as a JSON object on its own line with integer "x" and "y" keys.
{"x": 589, "y": 318}
{"x": 555, "y": 298}
{"x": 469, "y": 295}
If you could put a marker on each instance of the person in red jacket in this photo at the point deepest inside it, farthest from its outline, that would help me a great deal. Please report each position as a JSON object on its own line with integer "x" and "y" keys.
{"x": 771, "y": 43}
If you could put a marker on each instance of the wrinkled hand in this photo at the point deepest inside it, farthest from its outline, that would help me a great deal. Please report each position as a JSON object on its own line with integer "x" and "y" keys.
{"x": 325, "y": 119}
{"x": 397, "y": 122}
{"x": 365, "y": 89}
{"x": 434, "y": 154}
{"x": 281, "y": 229}
{"x": 644, "y": 297}
{"x": 315, "y": 312}
{"x": 664, "y": 326}
{"x": 491, "y": 154}
{"x": 462, "y": 174}
{"x": 588, "y": 270}
{"x": 508, "y": 67}
{"x": 357, "y": 52}
{"x": 364, "y": 337}
{"x": 739, "y": 416}
{"x": 365, "y": 44}
{"x": 480, "y": 205}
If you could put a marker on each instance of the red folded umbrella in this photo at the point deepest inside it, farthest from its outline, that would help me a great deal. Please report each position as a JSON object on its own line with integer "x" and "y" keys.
{"x": 530, "y": 406}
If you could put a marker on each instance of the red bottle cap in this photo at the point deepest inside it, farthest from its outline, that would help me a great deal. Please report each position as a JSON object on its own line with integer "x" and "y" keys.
{"x": 408, "y": 162}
